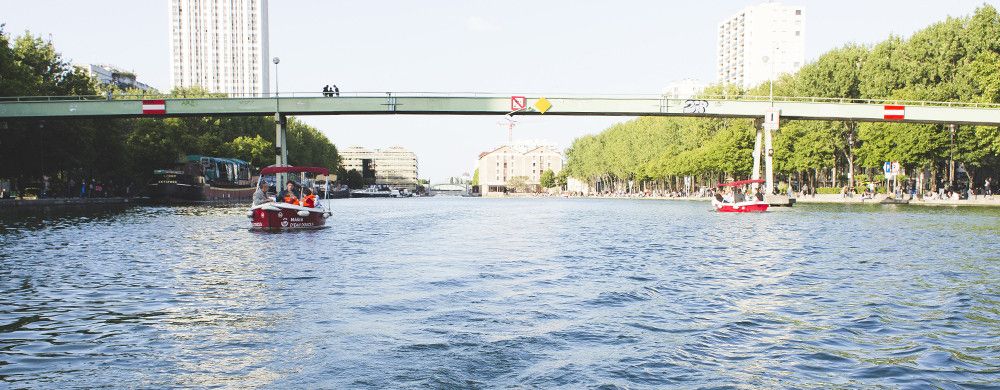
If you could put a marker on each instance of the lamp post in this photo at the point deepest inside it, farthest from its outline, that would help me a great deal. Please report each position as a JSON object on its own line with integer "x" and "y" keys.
{"x": 276, "y": 60}
{"x": 770, "y": 77}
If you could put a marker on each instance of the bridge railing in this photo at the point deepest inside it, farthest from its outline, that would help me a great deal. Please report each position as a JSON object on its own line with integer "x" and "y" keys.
{"x": 474, "y": 94}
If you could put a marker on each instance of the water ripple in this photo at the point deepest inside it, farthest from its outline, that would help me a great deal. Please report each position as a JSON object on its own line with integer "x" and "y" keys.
{"x": 525, "y": 293}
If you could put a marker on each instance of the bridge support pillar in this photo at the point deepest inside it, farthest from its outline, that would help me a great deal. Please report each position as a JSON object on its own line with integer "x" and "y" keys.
{"x": 280, "y": 139}
{"x": 280, "y": 147}
{"x": 768, "y": 162}
{"x": 756, "y": 151}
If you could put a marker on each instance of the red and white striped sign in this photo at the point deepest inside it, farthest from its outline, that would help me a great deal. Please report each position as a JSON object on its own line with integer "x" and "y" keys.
{"x": 894, "y": 113}
{"x": 154, "y": 107}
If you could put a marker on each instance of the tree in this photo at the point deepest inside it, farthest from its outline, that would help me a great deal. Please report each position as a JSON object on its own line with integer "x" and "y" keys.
{"x": 548, "y": 179}
{"x": 518, "y": 184}
{"x": 475, "y": 178}
{"x": 255, "y": 150}
{"x": 353, "y": 179}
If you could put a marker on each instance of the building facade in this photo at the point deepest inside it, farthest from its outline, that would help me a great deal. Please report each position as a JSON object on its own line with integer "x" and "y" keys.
{"x": 683, "y": 89}
{"x": 111, "y": 75}
{"x": 395, "y": 167}
{"x": 760, "y": 43}
{"x": 220, "y": 45}
{"x": 499, "y": 168}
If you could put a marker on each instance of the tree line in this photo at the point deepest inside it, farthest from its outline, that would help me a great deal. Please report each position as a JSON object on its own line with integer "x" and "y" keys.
{"x": 955, "y": 60}
{"x": 122, "y": 153}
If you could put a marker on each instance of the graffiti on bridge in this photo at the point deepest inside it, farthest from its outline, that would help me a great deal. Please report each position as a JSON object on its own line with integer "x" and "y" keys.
{"x": 695, "y": 106}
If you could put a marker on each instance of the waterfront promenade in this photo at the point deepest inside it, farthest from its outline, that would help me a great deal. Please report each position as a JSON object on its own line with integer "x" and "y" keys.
{"x": 978, "y": 200}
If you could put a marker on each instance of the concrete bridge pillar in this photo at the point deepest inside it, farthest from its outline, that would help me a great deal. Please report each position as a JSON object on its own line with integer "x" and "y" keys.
{"x": 280, "y": 139}
{"x": 768, "y": 162}
{"x": 757, "y": 124}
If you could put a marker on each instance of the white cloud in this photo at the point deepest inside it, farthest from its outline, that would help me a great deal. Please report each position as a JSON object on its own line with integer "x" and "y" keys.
{"x": 480, "y": 24}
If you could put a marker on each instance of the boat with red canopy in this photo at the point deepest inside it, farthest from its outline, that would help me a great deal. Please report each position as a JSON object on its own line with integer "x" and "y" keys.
{"x": 287, "y": 213}
{"x": 736, "y": 204}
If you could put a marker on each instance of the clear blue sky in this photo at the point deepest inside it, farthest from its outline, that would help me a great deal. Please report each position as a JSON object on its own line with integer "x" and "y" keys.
{"x": 511, "y": 46}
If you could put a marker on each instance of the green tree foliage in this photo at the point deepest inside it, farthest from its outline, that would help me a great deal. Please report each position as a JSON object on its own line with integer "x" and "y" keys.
{"x": 518, "y": 184}
{"x": 547, "y": 179}
{"x": 475, "y": 178}
{"x": 353, "y": 179}
{"x": 255, "y": 150}
{"x": 953, "y": 60}
{"x": 124, "y": 150}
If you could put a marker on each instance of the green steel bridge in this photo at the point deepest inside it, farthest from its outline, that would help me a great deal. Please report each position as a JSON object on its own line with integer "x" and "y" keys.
{"x": 392, "y": 103}
{"x": 766, "y": 110}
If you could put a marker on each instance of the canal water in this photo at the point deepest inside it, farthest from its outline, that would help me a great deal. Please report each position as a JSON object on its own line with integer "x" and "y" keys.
{"x": 531, "y": 293}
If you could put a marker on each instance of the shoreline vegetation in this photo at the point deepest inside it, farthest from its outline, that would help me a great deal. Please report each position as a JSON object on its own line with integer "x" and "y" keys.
{"x": 954, "y": 60}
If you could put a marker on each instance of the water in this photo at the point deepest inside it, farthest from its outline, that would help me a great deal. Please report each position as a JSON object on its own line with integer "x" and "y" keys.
{"x": 533, "y": 293}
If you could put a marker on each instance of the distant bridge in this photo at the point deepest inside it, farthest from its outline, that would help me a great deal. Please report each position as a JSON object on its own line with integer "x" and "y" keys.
{"x": 395, "y": 103}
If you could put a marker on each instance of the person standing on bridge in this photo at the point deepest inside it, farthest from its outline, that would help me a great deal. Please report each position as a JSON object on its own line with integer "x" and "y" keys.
{"x": 326, "y": 90}
{"x": 336, "y": 91}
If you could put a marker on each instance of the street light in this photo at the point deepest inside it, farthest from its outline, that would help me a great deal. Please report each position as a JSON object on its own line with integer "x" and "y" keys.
{"x": 770, "y": 78}
{"x": 276, "y": 60}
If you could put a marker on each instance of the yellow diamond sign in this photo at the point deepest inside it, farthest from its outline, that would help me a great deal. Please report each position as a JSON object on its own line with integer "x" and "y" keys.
{"x": 542, "y": 105}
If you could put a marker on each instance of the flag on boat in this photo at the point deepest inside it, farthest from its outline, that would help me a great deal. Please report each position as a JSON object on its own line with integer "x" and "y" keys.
{"x": 154, "y": 107}
{"x": 894, "y": 113}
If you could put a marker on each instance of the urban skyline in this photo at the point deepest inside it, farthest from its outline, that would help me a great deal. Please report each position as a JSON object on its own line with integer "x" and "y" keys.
{"x": 470, "y": 51}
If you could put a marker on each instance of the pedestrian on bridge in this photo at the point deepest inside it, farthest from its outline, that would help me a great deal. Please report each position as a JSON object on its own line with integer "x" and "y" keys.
{"x": 336, "y": 91}
{"x": 326, "y": 91}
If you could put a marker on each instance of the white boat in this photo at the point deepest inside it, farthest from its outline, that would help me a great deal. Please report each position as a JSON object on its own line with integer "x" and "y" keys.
{"x": 373, "y": 192}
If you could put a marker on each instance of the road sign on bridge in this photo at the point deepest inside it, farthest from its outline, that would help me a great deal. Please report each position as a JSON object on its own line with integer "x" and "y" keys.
{"x": 518, "y": 103}
{"x": 894, "y": 113}
{"x": 154, "y": 107}
{"x": 772, "y": 118}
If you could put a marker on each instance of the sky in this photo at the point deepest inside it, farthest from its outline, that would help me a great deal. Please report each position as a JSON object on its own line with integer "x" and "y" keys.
{"x": 511, "y": 47}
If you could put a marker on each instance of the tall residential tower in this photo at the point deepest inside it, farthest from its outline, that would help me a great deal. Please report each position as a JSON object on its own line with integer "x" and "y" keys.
{"x": 220, "y": 45}
{"x": 760, "y": 43}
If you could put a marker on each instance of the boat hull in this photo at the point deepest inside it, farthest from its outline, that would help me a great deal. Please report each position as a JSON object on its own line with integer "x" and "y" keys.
{"x": 180, "y": 192}
{"x": 283, "y": 216}
{"x": 742, "y": 207}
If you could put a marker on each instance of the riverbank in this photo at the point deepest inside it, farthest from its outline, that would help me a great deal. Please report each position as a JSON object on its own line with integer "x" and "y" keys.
{"x": 836, "y": 198}
{"x": 6, "y": 204}
{"x": 777, "y": 199}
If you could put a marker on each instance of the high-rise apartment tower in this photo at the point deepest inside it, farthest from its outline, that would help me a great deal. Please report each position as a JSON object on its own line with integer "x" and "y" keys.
{"x": 220, "y": 45}
{"x": 760, "y": 43}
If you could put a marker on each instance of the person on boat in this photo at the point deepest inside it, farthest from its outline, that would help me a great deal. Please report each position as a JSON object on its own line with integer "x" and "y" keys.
{"x": 719, "y": 198}
{"x": 308, "y": 199}
{"x": 289, "y": 195}
{"x": 738, "y": 196}
{"x": 759, "y": 195}
{"x": 260, "y": 196}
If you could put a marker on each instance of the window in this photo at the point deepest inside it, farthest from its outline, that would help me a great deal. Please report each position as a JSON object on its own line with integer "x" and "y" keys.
{"x": 798, "y": 33}
{"x": 798, "y": 12}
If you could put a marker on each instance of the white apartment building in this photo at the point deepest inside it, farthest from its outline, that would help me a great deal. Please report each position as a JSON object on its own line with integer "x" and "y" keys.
{"x": 499, "y": 166}
{"x": 109, "y": 74}
{"x": 683, "y": 89}
{"x": 760, "y": 43}
{"x": 220, "y": 45}
{"x": 395, "y": 166}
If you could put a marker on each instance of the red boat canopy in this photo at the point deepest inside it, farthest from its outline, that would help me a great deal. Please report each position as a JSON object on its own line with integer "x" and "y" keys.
{"x": 741, "y": 183}
{"x": 316, "y": 170}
